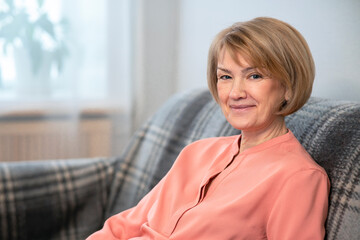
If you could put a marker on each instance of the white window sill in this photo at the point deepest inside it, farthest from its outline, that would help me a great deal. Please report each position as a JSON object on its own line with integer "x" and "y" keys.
{"x": 21, "y": 108}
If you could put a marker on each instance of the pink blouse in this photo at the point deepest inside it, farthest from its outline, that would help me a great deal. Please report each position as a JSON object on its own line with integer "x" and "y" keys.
{"x": 274, "y": 190}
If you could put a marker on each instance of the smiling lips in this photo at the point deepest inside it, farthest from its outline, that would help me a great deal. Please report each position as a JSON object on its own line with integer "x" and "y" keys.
{"x": 241, "y": 107}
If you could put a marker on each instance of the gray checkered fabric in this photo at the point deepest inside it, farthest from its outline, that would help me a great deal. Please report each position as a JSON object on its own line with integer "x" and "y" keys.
{"x": 54, "y": 199}
{"x": 70, "y": 199}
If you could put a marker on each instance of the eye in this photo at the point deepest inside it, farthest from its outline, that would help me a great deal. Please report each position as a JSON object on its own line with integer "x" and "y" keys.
{"x": 224, "y": 77}
{"x": 255, "y": 76}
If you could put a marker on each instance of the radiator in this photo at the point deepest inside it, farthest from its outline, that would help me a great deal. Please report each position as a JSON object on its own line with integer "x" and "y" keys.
{"x": 38, "y": 138}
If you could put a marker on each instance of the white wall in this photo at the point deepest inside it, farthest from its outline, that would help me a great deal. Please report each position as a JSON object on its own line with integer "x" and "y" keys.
{"x": 154, "y": 55}
{"x": 331, "y": 27}
{"x": 170, "y": 41}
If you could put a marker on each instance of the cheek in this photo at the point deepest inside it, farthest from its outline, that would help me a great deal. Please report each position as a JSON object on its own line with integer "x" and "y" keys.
{"x": 272, "y": 97}
{"x": 223, "y": 97}
{"x": 223, "y": 91}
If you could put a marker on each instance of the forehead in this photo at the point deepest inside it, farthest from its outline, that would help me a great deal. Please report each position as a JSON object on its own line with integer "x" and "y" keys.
{"x": 231, "y": 57}
{"x": 230, "y": 60}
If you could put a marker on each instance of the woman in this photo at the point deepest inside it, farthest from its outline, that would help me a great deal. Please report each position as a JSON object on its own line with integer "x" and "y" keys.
{"x": 259, "y": 185}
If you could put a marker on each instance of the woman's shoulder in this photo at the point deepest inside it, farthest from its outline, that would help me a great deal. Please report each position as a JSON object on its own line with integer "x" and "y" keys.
{"x": 294, "y": 156}
{"x": 212, "y": 145}
{"x": 201, "y": 153}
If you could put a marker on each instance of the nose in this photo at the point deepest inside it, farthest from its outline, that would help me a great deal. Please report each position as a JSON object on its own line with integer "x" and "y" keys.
{"x": 238, "y": 90}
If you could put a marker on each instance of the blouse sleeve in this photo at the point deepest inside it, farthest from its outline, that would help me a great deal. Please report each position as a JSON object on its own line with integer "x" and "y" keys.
{"x": 300, "y": 210}
{"x": 128, "y": 223}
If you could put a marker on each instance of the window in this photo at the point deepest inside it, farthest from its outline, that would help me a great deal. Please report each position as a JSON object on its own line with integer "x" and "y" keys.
{"x": 91, "y": 84}
{"x": 74, "y": 59}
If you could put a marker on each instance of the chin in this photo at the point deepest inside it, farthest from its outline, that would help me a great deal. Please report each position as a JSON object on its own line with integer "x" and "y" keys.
{"x": 239, "y": 123}
{"x": 239, "y": 126}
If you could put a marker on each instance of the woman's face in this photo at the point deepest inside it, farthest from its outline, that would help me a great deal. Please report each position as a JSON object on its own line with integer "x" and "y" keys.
{"x": 248, "y": 99}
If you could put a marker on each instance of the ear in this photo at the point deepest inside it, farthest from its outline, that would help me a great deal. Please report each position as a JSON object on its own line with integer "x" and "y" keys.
{"x": 288, "y": 94}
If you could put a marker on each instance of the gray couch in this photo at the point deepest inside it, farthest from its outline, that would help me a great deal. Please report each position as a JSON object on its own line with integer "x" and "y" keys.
{"x": 70, "y": 199}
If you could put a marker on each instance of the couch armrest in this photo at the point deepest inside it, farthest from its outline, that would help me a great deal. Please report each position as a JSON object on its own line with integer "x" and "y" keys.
{"x": 54, "y": 199}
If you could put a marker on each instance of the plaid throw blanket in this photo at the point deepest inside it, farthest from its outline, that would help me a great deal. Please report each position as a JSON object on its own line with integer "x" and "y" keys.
{"x": 54, "y": 199}
{"x": 72, "y": 198}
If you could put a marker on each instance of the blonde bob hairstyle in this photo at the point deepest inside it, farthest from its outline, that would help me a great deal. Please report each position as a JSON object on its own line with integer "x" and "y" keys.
{"x": 271, "y": 45}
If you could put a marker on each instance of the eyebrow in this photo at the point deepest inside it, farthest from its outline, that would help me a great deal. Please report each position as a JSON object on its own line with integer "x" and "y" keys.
{"x": 243, "y": 71}
{"x": 224, "y": 70}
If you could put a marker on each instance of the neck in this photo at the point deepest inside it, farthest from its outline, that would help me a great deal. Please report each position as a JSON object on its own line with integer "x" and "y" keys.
{"x": 251, "y": 138}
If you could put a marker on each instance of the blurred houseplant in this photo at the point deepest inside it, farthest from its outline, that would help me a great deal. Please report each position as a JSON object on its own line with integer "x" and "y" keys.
{"x": 37, "y": 44}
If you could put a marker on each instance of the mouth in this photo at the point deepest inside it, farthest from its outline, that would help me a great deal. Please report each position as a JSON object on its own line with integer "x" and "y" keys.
{"x": 241, "y": 107}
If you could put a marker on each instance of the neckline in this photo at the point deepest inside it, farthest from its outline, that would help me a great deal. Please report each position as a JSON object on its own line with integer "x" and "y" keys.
{"x": 267, "y": 144}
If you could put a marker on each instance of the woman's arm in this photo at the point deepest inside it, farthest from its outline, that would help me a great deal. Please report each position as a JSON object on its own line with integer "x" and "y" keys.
{"x": 128, "y": 223}
{"x": 301, "y": 208}
{"x": 133, "y": 222}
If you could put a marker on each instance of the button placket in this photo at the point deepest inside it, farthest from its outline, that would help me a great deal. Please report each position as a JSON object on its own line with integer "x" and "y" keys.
{"x": 201, "y": 195}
